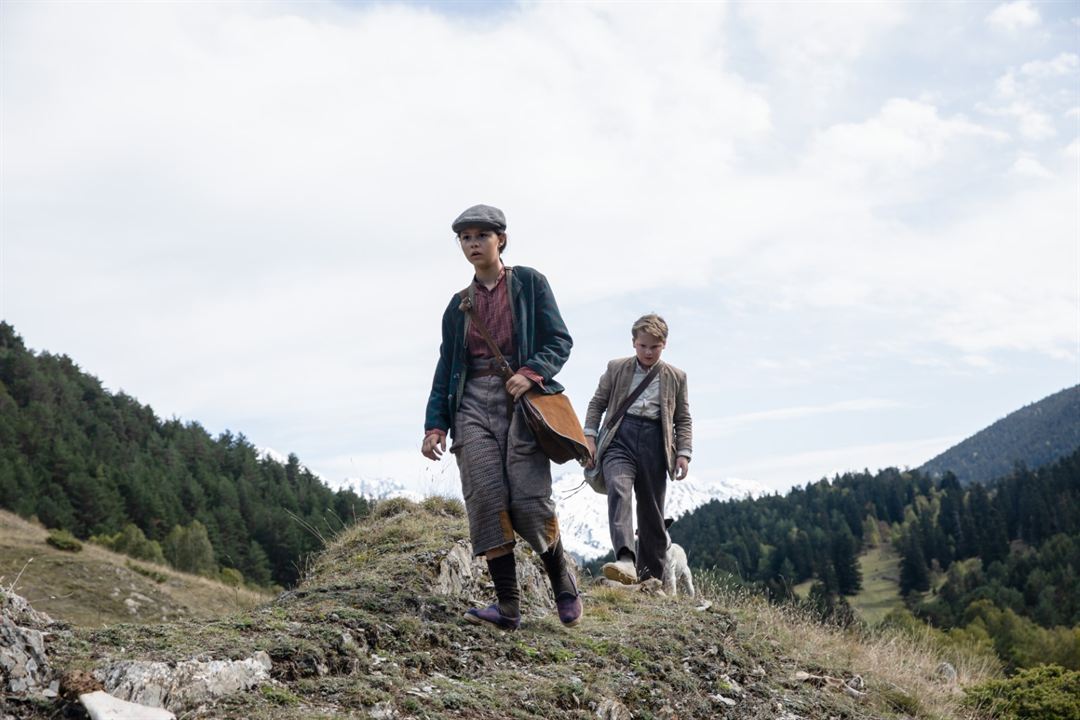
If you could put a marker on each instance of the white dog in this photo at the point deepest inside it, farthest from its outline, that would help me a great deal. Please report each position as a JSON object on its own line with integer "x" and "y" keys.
{"x": 676, "y": 568}
{"x": 677, "y": 571}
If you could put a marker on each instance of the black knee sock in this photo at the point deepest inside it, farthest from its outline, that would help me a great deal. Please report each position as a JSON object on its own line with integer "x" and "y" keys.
{"x": 555, "y": 564}
{"x": 503, "y": 571}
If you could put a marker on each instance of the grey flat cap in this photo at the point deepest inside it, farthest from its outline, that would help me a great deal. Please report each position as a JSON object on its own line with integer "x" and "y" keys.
{"x": 482, "y": 216}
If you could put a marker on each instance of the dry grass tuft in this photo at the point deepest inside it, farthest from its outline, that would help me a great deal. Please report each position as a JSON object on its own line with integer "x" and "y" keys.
{"x": 898, "y": 667}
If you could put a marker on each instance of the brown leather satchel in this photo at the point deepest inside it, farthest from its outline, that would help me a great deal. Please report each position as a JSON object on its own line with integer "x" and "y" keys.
{"x": 556, "y": 426}
{"x": 551, "y": 417}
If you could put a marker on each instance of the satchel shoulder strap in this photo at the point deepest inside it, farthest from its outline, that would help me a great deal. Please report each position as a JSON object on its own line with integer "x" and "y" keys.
{"x": 625, "y": 405}
{"x": 467, "y": 307}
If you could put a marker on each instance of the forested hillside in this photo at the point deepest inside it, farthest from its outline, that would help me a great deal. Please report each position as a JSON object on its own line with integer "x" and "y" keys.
{"x": 1001, "y": 563}
{"x": 1007, "y": 563}
{"x": 1033, "y": 436}
{"x": 93, "y": 462}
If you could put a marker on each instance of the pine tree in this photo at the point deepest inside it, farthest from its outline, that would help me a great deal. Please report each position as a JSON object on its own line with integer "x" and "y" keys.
{"x": 848, "y": 573}
{"x": 914, "y": 571}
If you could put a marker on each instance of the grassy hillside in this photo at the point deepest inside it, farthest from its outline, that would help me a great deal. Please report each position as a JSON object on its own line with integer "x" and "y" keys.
{"x": 96, "y": 587}
{"x": 365, "y": 634}
{"x": 880, "y": 592}
{"x": 90, "y": 461}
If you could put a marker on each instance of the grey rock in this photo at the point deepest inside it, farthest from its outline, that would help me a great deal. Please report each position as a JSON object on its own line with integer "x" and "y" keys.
{"x": 382, "y": 711}
{"x": 187, "y": 684}
{"x": 456, "y": 573}
{"x": 102, "y": 706}
{"x": 946, "y": 673}
{"x": 611, "y": 709}
{"x": 24, "y": 667}
{"x": 18, "y": 609}
{"x": 459, "y": 573}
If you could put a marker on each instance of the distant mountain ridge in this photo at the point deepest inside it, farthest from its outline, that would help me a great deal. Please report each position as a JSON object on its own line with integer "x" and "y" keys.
{"x": 1033, "y": 436}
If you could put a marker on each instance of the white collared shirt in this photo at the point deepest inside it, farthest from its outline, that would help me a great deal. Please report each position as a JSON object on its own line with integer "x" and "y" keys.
{"x": 647, "y": 404}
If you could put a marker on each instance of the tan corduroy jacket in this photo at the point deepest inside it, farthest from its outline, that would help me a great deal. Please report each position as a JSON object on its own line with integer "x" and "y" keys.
{"x": 674, "y": 407}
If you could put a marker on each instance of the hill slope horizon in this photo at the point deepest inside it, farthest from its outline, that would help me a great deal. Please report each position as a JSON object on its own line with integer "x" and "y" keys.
{"x": 1033, "y": 436}
{"x": 96, "y": 587}
{"x": 83, "y": 459}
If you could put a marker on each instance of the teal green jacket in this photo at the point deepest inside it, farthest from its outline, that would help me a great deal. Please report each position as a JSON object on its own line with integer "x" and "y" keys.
{"x": 540, "y": 338}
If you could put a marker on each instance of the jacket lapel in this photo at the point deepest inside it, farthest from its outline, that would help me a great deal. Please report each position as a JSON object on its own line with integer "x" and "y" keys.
{"x": 624, "y": 379}
{"x": 513, "y": 289}
{"x": 665, "y": 387}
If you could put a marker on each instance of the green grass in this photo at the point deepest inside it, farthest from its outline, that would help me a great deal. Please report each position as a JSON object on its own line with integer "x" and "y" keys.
{"x": 880, "y": 592}
{"x": 880, "y": 584}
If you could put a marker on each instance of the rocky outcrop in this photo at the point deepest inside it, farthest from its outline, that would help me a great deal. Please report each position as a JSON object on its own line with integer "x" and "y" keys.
{"x": 460, "y": 573}
{"x": 185, "y": 684}
{"x": 25, "y": 667}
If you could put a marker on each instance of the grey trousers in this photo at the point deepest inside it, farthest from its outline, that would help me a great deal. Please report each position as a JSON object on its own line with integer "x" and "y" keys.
{"x": 505, "y": 478}
{"x": 635, "y": 466}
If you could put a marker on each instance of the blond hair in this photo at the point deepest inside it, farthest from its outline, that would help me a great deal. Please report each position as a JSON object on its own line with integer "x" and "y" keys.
{"x": 652, "y": 324}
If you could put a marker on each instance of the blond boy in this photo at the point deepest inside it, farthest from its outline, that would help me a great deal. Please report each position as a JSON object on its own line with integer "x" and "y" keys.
{"x": 651, "y": 441}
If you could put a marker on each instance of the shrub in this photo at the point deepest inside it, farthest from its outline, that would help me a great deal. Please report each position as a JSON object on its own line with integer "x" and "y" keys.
{"x": 231, "y": 577}
{"x": 188, "y": 549}
{"x": 131, "y": 541}
{"x": 392, "y": 506}
{"x": 439, "y": 505}
{"x": 279, "y": 695}
{"x": 156, "y": 576}
{"x": 63, "y": 540}
{"x": 1047, "y": 692}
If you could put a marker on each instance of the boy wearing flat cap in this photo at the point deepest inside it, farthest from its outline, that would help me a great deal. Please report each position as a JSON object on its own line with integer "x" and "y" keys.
{"x": 505, "y": 478}
{"x": 647, "y": 436}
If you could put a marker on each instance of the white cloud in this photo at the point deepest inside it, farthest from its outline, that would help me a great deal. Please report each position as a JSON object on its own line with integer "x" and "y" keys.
{"x": 1036, "y": 125}
{"x": 725, "y": 425}
{"x": 905, "y": 136}
{"x": 1013, "y": 16}
{"x": 814, "y": 48}
{"x": 1034, "y": 95}
{"x": 1033, "y": 124}
{"x": 1072, "y": 150}
{"x": 1063, "y": 65}
{"x": 1007, "y": 85}
{"x": 1027, "y": 166}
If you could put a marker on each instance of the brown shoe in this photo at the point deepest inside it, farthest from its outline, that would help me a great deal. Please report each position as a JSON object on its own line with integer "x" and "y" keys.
{"x": 622, "y": 571}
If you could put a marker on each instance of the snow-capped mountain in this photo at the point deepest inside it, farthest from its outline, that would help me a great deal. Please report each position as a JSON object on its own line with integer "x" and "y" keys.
{"x": 381, "y": 489}
{"x": 269, "y": 453}
{"x": 583, "y": 513}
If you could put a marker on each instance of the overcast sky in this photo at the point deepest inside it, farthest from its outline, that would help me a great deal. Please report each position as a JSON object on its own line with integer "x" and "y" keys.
{"x": 861, "y": 220}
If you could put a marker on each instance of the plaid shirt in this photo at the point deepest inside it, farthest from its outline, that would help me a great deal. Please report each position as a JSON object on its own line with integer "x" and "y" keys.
{"x": 492, "y": 308}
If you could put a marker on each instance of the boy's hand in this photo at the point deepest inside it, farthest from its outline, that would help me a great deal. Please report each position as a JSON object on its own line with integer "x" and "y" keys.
{"x": 434, "y": 445}
{"x": 682, "y": 467}
{"x": 518, "y": 385}
{"x": 591, "y": 442}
